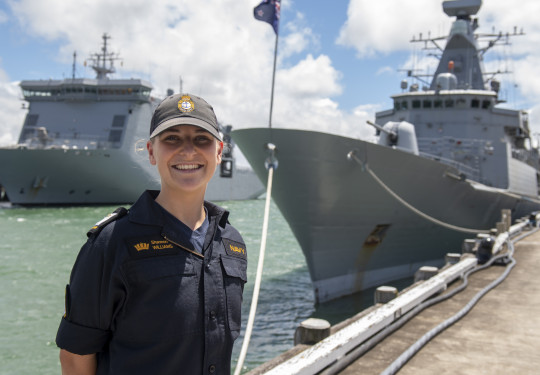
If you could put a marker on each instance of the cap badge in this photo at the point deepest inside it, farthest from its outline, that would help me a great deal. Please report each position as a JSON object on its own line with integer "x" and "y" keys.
{"x": 185, "y": 104}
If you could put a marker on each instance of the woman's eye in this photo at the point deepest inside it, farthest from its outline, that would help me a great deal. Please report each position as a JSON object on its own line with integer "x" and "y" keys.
{"x": 202, "y": 140}
{"x": 171, "y": 138}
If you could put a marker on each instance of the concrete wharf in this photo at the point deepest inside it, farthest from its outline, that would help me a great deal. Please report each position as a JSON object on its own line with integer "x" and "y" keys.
{"x": 500, "y": 335}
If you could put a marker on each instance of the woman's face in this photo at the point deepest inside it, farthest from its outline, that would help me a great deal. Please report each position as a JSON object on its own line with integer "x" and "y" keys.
{"x": 186, "y": 157}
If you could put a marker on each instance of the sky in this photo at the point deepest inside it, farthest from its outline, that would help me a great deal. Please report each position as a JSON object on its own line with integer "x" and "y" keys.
{"x": 338, "y": 61}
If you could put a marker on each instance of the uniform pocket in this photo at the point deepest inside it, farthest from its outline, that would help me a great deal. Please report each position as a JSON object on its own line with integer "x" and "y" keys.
{"x": 235, "y": 276}
{"x": 163, "y": 296}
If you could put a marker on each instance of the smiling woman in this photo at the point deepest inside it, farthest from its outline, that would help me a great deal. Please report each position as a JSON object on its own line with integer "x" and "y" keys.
{"x": 158, "y": 288}
{"x": 186, "y": 157}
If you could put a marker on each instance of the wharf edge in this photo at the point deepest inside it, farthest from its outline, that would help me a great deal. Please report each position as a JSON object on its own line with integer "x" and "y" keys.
{"x": 499, "y": 335}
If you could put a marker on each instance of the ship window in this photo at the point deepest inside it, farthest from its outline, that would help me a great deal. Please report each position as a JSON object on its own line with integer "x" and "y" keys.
{"x": 437, "y": 103}
{"x": 404, "y": 104}
{"x": 31, "y": 120}
{"x": 118, "y": 121}
{"x": 416, "y": 103}
{"x": 461, "y": 103}
{"x": 448, "y": 103}
{"x": 427, "y": 103}
{"x": 486, "y": 104}
{"x": 115, "y": 136}
{"x": 397, "y": 105}
{"x": 475, "y": 103}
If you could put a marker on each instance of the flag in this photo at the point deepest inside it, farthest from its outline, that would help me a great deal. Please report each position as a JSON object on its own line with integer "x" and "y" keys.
{"x": 268, "y": 11}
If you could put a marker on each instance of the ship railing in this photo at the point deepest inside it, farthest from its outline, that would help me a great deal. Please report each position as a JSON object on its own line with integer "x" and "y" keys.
{"x": 81, "y": 142}
{"x": 527, "y": 156}
{"x": 469, "y": 150}
{"x": 468, "y": 171}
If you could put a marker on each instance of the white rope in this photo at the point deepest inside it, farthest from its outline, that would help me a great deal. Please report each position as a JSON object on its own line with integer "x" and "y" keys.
{"x": 410, "y": 207}
{"x": 258, "y": 277}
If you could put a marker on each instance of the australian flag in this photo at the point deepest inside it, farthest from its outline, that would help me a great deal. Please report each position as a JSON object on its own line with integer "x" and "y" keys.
{"x": 268, "y": 11}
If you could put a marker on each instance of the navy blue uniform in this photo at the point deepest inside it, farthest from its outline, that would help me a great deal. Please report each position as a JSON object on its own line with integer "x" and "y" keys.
{"x": 143, "y": 299}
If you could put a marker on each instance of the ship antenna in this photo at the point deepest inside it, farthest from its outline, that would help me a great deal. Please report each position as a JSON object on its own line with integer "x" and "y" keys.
{"x": 103, "y": 63}
{"x": 74, "y": 67}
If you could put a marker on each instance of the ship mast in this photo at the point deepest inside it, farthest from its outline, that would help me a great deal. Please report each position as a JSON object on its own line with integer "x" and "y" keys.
{"x": 462, "y": 56}
{"x": 103, "y": 63}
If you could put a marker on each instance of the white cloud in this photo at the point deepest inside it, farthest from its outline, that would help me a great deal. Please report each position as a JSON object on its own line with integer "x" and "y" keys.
{"x": 11, "y": 115}
{"x": 379, "y": 27}
{"x": 310, "y": 78}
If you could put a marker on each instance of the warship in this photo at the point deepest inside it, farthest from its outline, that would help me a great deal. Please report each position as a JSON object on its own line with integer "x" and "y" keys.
{"x": 83, "y": 142}
{"x": 446, "y": 161}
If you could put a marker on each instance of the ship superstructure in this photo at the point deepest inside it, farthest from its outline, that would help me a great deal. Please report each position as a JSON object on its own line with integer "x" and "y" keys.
{"x": 446, "y": 162}
{"x": 79, "y": 139}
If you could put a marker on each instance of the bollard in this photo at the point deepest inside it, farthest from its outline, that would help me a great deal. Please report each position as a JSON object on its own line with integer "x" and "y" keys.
{"x": 425, "y": 272}
{"x": 468, "y": 246}
{"x": 311, "y": 331}
{"x": 485, "y": 249}
{"x": 384, "y": 294}
{"x": 506, "y": 218}
{"x": 452, "y": 258}
{"x": 532, "y": 219}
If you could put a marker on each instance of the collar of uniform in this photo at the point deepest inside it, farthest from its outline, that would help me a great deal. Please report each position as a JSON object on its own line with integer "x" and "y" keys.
{"x": 145, "y": 211}
{"x": 220, "y": 213}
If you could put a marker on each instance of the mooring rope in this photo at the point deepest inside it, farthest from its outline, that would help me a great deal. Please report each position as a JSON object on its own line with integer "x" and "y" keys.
{"x": 399, "y": 362}
{"x": 409, "y": 206}
{"x": 271, "y": 164}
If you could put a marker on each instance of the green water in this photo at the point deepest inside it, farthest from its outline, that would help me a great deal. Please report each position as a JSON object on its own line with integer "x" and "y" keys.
{"x": 38, "y": 247}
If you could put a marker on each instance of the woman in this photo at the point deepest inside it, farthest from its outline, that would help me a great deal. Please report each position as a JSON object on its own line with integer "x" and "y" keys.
{"x": 158, "y": 289}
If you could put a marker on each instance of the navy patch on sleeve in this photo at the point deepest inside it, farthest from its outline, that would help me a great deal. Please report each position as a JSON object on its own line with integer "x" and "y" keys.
{"x": 234, "y": 248}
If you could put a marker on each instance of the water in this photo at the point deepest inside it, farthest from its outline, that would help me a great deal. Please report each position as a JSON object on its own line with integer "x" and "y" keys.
{"x": 38, "y": 247}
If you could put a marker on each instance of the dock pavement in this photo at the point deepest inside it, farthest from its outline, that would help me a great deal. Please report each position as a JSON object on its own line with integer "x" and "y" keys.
{"x": 500, "y": 335}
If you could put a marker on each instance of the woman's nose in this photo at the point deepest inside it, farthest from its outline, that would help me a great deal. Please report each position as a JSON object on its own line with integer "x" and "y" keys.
{"x": 187, "y": 147}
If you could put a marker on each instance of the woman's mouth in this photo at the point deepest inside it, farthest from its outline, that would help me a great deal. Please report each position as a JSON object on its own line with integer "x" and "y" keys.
{"x": 187, "y": 167}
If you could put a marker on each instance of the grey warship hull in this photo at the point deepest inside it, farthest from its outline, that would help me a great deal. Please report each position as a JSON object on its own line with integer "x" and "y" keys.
{"x": 91, "y": 177}
{"x": 355, "y": 234}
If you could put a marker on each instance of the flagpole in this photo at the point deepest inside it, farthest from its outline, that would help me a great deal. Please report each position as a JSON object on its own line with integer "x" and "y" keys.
{"x": 273, "y": 81}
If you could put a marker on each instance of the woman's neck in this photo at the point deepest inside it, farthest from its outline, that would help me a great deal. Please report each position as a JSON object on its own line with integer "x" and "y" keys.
{"x": 186, "y": 208}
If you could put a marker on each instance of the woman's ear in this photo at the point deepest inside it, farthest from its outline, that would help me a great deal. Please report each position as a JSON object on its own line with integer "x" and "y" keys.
{"x": 219, "y": 152}
{"x": 150, "y": 148}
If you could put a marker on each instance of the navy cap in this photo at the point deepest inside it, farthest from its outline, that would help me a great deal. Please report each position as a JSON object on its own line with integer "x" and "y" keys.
{"x": 184, "y": 109}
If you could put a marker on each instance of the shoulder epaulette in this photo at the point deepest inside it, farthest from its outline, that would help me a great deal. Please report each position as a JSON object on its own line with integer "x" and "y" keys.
{"x": 115, "y": 215}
